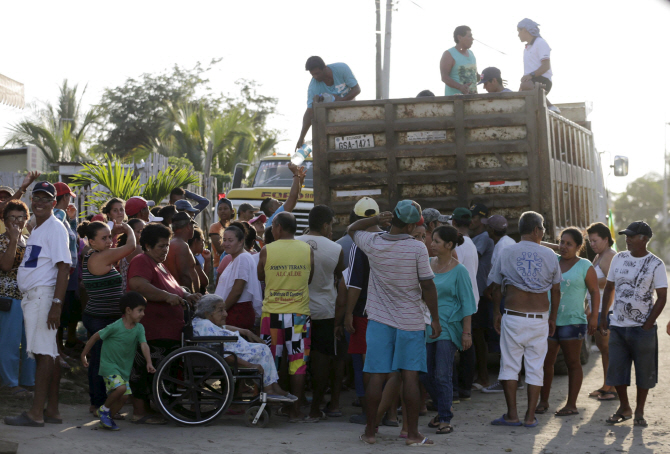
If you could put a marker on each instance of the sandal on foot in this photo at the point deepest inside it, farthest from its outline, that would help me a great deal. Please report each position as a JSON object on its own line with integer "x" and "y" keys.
{"x": 617, "y": 418}
{"x": 422, "y": 443}
{"x": 597, "y": 393}
{"x": 541, "y": 410}
{"x": 640, "y": 422}
{"x": 504, "y": 422}
{"x": 21, "y": 393}
{"x": 432, "y": 424}
{"x": 533, "y": 424}
{"x": 445, "y": 430}
{"x": 154, "y": 420}
{"x": 609, "y": 395}
{"x": 332, "y": 413}
{"x": 50, "y": 420}
{"x": 565, "y": 412}
{"x": 389, "y": 422}
{"x": 22, "y": 420}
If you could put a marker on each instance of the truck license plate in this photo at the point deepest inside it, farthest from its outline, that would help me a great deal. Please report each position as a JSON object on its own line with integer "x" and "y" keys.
{"x": 354, "y": 142}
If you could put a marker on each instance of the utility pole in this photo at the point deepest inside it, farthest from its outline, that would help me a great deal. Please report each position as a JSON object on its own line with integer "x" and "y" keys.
{"x": 387, "y": 49}
{"x": 378, "y": 37}
{"x": 665, "y": 175}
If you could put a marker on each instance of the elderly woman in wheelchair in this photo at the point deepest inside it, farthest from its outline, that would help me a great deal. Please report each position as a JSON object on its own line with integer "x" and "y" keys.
{"x": 210, "y": 319}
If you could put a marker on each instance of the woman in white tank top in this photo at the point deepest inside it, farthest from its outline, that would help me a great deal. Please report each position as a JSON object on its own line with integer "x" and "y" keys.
{"x": 600, "y": 239}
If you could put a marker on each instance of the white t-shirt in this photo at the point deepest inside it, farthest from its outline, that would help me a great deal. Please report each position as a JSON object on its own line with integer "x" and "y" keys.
{"x": 47, "y": 246}
{"x": 244, "y": 268}
{"x": 635, "y": 279}
{"x": 499, "y": 247}
{"x": 468, "y": 257}
{"x": 322, "y": 291}
{"x": 533, "y": 56}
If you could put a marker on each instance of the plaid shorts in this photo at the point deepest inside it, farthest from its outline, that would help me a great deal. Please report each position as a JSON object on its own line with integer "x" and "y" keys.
{"x": 114, "y": 381}
{"x": 290, "y": 331}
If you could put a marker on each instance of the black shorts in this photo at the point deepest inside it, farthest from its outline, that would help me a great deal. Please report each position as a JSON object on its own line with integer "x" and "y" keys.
{"x": 323, "y": 338}
{"x": 481, "y": 318}
{"x": 543, "y": 80}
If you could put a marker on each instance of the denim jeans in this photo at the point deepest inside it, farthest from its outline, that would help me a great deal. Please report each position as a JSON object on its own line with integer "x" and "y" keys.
{"x": 13, "y": 355}
{"x": 438, "y": 379}
{"x": 96, "y": 385}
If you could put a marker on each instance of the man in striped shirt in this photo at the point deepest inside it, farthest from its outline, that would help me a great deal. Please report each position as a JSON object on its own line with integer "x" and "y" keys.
{"x": 400, "y": 277}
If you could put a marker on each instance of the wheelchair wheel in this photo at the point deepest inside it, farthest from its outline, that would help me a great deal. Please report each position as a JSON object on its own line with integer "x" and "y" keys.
{"x": 193, "y": 386}
{"x": 251, "y": 413}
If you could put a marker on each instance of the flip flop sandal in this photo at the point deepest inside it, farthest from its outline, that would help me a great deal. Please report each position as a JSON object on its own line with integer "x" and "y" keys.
{"x": 402, "y": 435}
{"x": 533, "y": 424}
{"x": 422, "y": 444}
{"x": 640, "y": 422}
{"x": 445, "y": 430}
{"x": 566, "y": 413}
{"x": 388, "y": 422}
{"x": 153, "y": 420}
{"x": 503, "y": 422}
{"x": 50, "y": 420}
{"x": 541, "y": 410}
{"x": 617, "y": 418}
{"x": 613, "y": 395}
{"x": 332, "y": 414}
{"x": 21, "y": 393}
{"x": 22, "y": 420}
{"x": 597, "y": 393}
{"x": 432, "y": 424}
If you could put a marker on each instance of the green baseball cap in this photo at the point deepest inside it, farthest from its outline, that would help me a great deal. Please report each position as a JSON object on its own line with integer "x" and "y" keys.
{"x": 461, "y": 214}
{"x": 408, "y": 213}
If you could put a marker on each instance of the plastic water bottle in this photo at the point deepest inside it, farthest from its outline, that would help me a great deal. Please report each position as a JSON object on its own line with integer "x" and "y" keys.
{"x": 327, "y": 97}
{"x": 301, "y": 153}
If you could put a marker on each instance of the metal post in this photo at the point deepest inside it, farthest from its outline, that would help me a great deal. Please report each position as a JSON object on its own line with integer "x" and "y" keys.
{"x": 387, "y": 49}
{"x": 665, "y": 176}
{"x": 378, "y": 63}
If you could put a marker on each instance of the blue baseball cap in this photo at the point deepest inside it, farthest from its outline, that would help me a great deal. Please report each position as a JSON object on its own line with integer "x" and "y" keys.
{"x": 45, "y": 186}
{"x": 408, "y": 213}
{"x": 184, "y": 205}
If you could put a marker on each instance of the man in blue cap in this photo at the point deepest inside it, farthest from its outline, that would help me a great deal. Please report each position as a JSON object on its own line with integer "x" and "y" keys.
{"x": 400, "y": 276}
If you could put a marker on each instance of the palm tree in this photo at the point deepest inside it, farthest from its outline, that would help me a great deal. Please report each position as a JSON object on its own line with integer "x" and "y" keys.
{"x": 59, "y": 131}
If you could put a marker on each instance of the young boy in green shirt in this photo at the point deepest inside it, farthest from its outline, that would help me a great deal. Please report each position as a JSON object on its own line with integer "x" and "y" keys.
{"x": 119, "y": 345}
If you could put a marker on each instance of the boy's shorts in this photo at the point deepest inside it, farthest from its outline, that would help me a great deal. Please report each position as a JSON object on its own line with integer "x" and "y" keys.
{"x": 290, "y": 332}
{"x": 114, "y": 381}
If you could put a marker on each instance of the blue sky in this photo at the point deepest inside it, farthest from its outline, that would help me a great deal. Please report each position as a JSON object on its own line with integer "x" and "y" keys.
{"x": 614, "y": 57}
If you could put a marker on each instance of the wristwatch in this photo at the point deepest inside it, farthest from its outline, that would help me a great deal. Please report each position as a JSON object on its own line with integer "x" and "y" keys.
{"x": 56, "y": 301}
{"x": 532, "y": 74}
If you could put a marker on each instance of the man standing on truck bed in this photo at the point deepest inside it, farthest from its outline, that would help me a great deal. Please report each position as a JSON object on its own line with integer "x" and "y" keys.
{"x": 525, "y": 272}
{"x": 458, "y": 65}
{"x": 335, "y": 79}
{"x": 272, "y": 207}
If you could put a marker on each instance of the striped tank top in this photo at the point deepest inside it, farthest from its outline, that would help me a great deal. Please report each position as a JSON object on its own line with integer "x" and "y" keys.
{"x": 104, "y": 292}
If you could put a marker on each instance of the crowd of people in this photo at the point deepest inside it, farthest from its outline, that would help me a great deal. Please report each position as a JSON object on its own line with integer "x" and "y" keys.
{"x": 407, "y": 303}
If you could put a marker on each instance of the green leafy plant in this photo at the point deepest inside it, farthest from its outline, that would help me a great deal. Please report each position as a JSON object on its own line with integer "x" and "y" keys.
{"x": 123, "y": 182}
{"x": 159, "y": 187}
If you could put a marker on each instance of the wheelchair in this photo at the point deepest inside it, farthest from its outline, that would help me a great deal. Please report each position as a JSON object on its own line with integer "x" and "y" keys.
{"x": 194, "y": 385}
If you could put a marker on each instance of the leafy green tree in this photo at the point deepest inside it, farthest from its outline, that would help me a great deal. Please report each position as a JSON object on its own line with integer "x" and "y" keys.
{"x": 134, "y": 112}
{"x": 60, "y": 131}
{"x": 642, "y": 201}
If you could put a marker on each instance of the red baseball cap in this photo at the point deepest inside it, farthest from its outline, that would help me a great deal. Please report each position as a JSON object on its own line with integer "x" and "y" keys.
{"x": 261, "y": 217}
{"x": 62, "y": 188}
{"x": 135, "y": 204}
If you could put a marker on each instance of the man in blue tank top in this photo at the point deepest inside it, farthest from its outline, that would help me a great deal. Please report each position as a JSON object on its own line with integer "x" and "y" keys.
{"x": 458, "y": 65}
{"x": 335, "y": 80}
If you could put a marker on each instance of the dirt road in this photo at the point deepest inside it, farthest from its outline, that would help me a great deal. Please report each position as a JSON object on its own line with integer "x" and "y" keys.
{"x": 584, "y": 433}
